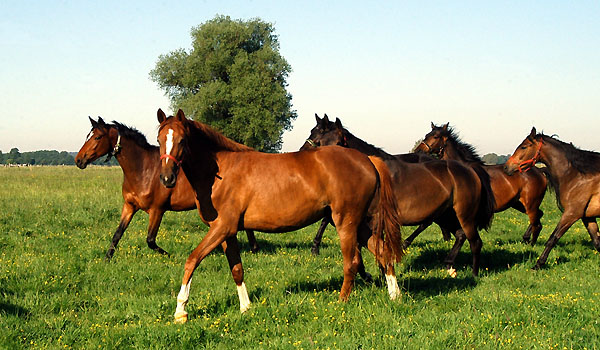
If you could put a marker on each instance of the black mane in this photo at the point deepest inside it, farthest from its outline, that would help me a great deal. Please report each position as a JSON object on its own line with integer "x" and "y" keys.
{"x": 464, "y": 149}
{"x": 586, "y": 162}
{"x": 133, "y": 134}
{"x": 365, "y": 147}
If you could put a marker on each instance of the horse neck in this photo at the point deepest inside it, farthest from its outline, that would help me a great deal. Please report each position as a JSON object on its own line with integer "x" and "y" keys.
{"x": 134, "y": 159}
{"x": 362, "y": 146}
{"x": 451, "y": 152}
{"x": 556, "y": 161}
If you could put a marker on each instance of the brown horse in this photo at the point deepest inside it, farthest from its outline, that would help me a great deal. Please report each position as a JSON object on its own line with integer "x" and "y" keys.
{"x": 575, "y": 176}
{"x": 446, "y": 192}
{"x": 521, "y": 191}
{"x": 239, "y": 188}
{"x": 141, "y": 187}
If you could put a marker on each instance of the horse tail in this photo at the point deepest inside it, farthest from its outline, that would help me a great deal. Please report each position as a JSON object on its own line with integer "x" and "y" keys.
{"x": 487, "y": 202}
{"x": 386, "y": 216}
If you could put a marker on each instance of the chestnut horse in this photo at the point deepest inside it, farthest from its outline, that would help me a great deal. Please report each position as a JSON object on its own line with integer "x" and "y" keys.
{"x": 141, "y": 188}
{"x": 521, "y": 191}
{"x": 445, "y": 192}
{"x": 575, "y": 176}
{"x": 239, "y": 188}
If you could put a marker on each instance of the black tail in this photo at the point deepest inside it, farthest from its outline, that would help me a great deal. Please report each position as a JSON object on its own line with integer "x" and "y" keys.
{"x": 487, "y": 203}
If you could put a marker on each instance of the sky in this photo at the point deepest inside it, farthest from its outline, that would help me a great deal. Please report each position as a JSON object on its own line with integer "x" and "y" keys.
{"x": 387, "y": 69}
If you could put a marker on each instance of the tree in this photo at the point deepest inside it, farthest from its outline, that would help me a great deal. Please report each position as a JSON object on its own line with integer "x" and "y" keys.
{"x": 234, "y": 79}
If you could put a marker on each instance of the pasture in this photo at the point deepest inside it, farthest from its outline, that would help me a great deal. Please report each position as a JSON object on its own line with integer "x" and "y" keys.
{"x": 56, "y": 290}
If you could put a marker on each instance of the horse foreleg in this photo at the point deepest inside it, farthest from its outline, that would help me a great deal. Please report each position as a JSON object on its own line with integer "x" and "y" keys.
{"x": 126, "y": 215}
{"x": 592, "y": 227}
{"x": 232, "y": 251}
{"x": 319, "y": 236}
{"x": 252, "y": 241}
{"x": 155, "y": 217}
{"x": 213, "y": 238}
{"x": 566, "y": 220}
{"x": 535, "y": 226}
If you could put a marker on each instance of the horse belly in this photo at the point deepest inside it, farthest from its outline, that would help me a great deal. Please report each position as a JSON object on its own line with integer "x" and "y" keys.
{"x": 278, "y": 216}
{"x": 419, "y": 204}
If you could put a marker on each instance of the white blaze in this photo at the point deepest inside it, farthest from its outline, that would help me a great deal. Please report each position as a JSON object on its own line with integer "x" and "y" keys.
{"x": 244, "y": 299}
{"x": 169, "y": 144}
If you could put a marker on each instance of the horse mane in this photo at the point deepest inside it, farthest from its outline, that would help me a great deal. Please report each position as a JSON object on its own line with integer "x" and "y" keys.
{"x": 466, "y": 150}
{"x": 214, "y": 140}
{"x": 132, "y": 134}
{"x": 365, "y": 147}
{"x": 586, "y": 162}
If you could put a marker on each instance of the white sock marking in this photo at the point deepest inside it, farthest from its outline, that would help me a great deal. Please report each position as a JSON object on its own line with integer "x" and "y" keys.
{"x": 182, "y": 299}
{"x": 244, "y": 299}
{"x": 392, "y": 285}
{"x": 169, "y": 144}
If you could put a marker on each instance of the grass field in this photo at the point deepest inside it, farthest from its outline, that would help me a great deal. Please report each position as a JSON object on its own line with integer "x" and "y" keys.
{"x": 56, "y": 291}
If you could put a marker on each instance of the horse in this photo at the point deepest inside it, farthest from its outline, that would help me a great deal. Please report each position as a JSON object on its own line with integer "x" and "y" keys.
{"x": 239, "y": 188}
{"x": 446, "y": 192}
{"x": 141, "y": 188}
{"x": 521, "y": 191}
{"x": 575, "y": 176}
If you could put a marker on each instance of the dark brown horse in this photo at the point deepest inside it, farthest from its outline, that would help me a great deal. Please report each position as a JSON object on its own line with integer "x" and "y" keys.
{"x": 239, "y": 188}
{"x": 575, "y": 176}
{"x": 521, "y": 191}
{"x": 445, "y": 192}
{"x": 141, "y": 187}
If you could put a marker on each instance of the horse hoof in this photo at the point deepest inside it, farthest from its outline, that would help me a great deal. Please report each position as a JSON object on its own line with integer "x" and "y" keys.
{"x": 181, "y": 318}
{"x": 314, "y": 251}
{"x": 536, "y": 267}
{"x": 244, "y": 308}
{"x": 452, "y": 272}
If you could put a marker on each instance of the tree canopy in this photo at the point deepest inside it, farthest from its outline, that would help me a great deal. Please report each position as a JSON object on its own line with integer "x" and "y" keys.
{"x": 232, "y": 78}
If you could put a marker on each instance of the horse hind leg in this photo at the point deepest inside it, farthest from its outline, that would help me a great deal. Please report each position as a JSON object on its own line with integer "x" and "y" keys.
{"x": 460, "y": 238}
{"x": 254, "y": 248}
{"x": 387, "y": 269}
{"x": 535, "y": 227}
{"x": 319, "y": 236}
{"x": 592, "y": 227}
{"x": 232, "y": 251}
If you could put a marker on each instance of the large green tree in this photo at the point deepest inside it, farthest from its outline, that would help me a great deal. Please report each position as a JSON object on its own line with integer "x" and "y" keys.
{"x": 232, "y": 78}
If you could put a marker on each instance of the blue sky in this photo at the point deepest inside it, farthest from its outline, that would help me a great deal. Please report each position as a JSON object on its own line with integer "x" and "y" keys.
{"x": 386, "y": 69}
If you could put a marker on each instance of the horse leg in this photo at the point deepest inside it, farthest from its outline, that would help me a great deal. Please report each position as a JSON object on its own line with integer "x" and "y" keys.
{"x": 535, "y": 226}
{"x": 319, "y": 236}
{"x": 232, "y": 251}
{"x": 445, "y": 234}
{"x": 155, "y": 217}
{"x": 566, "y": 220}
{"x": 348, "y": 234}
{"x": 592, "y": 227}
{"x": 408, "y": 241}
{"x": 386, "y": 269}
{"x": 252, "y": 241}
{"x": 216, "y": 235}
{"x": 458, "y": 243}
{"x": 126, "y": 214}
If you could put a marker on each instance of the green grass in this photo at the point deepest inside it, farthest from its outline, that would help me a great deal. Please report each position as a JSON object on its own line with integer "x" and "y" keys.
{"x": 56, "y": 291}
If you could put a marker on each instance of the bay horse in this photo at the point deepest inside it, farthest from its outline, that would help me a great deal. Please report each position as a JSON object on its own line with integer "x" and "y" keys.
{"x": 239, "y": 188}
{"x": 575, "y": 176}
{"x": 521, "y": 191}
{"x": 141, "y": 187}
{"x": 445, "y": 192}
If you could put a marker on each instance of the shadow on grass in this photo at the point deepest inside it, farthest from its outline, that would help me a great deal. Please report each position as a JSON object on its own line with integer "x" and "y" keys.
{"x": 268, "y": 247}
{"x": 11, "y": 309}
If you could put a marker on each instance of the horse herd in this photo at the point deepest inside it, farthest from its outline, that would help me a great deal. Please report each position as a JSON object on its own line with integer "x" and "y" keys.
{"x": 366, "y": 193}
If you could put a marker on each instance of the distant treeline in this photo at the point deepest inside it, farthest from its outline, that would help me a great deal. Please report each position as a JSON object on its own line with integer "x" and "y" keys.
{"x": 68, "y": 158}
{"x": 45, "y": 158}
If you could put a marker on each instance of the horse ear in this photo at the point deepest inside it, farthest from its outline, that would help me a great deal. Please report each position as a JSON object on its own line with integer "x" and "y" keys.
{"x": 180, "y": 115}
{"x": 533, "y": 132}
{"x": 325, "y": 119}
{"x": 445, "y": 127}
{"x": 432, "y": 126}
{"x": 160, "y": 115}
{"x": 94, "y": 123}
{"x": 317, "y": 118}
{"x": 338, "y": 123}
{"x": 101, "y": 121}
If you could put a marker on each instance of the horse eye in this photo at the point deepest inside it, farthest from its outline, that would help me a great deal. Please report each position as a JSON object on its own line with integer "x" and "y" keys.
{"x": 523, "y": 147}
{"x": 98, "y": 137}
